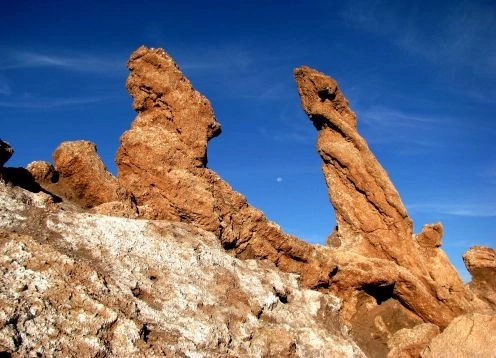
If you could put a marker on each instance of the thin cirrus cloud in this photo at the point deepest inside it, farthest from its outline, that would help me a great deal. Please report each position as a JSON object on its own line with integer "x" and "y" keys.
{"x": 52, "y": 103}
{"x": 455, "y": 209}
{"x": 461, "y": 34}
{"x": 393, "y": 117}
{"x": 79, "y": 62}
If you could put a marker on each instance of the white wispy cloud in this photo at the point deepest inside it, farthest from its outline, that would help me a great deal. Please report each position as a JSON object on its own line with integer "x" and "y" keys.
{"x": 51, "y": 103}
{"x": 455, "y": 209}
{"x": 394, "y": 117}
{"x": 459, "y": 34}
{"x": 79, "y": 62}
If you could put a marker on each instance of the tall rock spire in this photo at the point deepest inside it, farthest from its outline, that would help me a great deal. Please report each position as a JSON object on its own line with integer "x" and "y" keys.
{"x": 368, "y": 207}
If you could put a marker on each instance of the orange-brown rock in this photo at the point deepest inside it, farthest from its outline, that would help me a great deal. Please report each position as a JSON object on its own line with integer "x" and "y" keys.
{"x": 43, "y": 172}
{"x": 369, "y": 211}
{"x": 82, "y": 176}
{"x": 391, "y": 281}
{"x": 481, "y": 263}
{"x": 162, "y": 162}
{"x": 431, "y": 236}
{"x": 409, "y": 343}
{"x": 372, "y": 243}
{"x": 470, "y": 335}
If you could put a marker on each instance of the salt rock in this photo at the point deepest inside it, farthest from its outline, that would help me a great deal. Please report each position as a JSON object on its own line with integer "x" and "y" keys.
{"x": 470, "y": 335}
{"x": 80, "y": 284}
{"x": 83, "y": 178}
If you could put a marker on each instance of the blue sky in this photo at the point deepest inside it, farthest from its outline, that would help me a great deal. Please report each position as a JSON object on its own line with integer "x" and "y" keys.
{"x": 420, "y": 76}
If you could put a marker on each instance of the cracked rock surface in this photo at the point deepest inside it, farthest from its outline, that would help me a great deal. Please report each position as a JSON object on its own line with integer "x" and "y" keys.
{"x": 76, "y": 284}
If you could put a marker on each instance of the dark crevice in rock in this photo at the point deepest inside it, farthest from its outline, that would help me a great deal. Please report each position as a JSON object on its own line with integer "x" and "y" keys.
{"x": 381, "y": 293}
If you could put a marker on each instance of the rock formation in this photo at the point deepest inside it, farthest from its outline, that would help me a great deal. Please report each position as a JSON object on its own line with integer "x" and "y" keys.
{"x": 162, "y": 162}
{"x": 390, "y": 263}
{"x": 470, "y": 335}
{"x": 481, "y": 263}
{"x": 164, "y": 286}
{"x": 77, "y": 284}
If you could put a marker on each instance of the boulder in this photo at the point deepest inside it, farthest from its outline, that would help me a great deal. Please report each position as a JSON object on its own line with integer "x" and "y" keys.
{"x": 481, "y": 263}
{"x": 431, "y": 235}
{"x": 43, "y": 172}
{"x": 82, "y": 176}
{"x": 409, "y": 343}
{"x": 470, "y": 335}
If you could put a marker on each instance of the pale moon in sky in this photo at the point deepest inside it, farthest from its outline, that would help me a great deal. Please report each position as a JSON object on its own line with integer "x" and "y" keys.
{"x": 279, "y": 179}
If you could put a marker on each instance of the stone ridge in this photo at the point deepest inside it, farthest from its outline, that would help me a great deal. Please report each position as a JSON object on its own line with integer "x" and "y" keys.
{"x": 394, "y": 285}
{"x": 78, "y": 284}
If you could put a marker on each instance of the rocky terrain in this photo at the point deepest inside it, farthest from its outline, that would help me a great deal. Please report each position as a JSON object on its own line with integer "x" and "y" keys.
{"x": 166, "y": 259}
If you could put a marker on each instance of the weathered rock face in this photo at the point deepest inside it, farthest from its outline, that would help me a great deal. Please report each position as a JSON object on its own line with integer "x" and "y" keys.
{"x": 373, "y": 223}
{"x": 406, "y": 343}
{"x": 101, "y": 280}
{"x": 77, "y": 284}
{"x": 162, "y": 158}
{"x": 481, "y": 263}
{"x": 82, "y": 176}
{"x": 470, "y": 335}
{"x": 369, "y": 211}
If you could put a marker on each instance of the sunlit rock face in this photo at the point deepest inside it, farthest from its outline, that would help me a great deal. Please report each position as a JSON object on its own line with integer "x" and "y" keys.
{"x": 162, "y": 162}
{"x": 79, "y": 284}
{"x": 202, "y": 272}
{"x": 373, "y": 223}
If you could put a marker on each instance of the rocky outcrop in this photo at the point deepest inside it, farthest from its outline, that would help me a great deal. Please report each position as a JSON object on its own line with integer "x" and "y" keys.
{"x": 77, "y": 284}
{"x": 82, "y": 176}
{"x": 398, "y": 289}
{"x": 406, "y": 343}
{"x": 162, "y": 162}
{"x": 373, "y": 224}
{"x": 6, "y": 152}
{"x": 370, "y": 216}
{"x": 470, "y": 335}
{"x": 481, "y": 263}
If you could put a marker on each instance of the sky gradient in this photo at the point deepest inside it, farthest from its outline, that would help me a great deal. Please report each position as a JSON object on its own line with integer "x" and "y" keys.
{"x": 421, "y": 78}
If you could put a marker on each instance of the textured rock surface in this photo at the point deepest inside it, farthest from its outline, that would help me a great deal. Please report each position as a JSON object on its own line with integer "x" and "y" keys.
{"x": 390, "y": 280}
{"x": 373, "y": 223}
{"x": 481, "y": 263}
{"x": 470, "y": 335}
{"x": 78, "y": 284}
{"x": 407, "y": 343}
{"x": 369, "y": 211}
{"x": 43, "y": 172}
{"x": 82, "y": 176}
{"x": 162, "y": 159}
